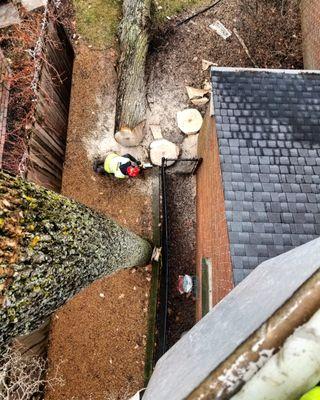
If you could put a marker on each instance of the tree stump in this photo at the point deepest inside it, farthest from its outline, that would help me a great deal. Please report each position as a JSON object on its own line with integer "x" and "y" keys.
{"x": 131, "y": 98}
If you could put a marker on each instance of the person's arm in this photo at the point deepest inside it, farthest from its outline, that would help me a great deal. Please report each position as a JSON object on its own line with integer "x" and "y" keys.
{"x": 123, "y": 167}
{"x": 131, "y": 158}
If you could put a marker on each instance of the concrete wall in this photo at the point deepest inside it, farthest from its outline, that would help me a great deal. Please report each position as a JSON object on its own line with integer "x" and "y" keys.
{"x": 310, "y": 10}
{"x": 212, "y": 232}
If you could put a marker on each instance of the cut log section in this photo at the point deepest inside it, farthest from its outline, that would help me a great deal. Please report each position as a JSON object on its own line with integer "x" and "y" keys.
{"x": 131, "y": 97}
{"x": 163, "y": 148}
{"x": 189, "y": 121}
{"x": 200, "y": 102}
{"x": 195, "y": 93}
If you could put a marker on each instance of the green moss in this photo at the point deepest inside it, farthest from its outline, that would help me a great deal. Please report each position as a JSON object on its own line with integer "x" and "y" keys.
{"x": 98, "y": 20}
{"x": 62, "y": 247}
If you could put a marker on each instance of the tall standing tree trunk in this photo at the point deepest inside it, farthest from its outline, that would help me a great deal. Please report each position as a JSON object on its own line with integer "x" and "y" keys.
{"x": 131, "y": 99}
{"x": 50, "y": 248}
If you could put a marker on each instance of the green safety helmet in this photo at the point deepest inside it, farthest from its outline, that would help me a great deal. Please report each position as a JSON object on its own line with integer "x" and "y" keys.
{"x": 313, "y": 394}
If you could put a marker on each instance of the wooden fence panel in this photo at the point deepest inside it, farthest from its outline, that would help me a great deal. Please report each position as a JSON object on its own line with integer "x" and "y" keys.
{"x": 4, "y": 100}
{"x": 48, "y": 135}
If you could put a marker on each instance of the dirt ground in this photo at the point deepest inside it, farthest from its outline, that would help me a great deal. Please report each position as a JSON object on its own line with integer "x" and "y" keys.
{"x": 90, "y": 134}
{"x": 84, "y": 335}
{"x": 100, "y": 355}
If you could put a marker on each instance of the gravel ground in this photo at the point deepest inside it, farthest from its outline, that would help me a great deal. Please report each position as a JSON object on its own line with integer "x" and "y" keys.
{"x": 182, "y": 252}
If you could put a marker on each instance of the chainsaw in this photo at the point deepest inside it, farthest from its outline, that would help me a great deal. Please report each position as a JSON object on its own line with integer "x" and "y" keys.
{"x": 144, "y": 166}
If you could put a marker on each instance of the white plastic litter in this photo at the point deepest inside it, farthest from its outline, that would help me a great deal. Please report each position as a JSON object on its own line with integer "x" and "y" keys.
{"x": 220, "y": 29}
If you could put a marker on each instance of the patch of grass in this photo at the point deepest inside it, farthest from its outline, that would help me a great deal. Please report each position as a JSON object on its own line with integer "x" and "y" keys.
{"x": 173, "y": 7}
{"x": 97, "y": 20}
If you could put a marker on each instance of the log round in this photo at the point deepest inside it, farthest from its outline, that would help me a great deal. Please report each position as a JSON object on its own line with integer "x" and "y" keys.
{"x": 163, "y": 148}
{"x": 189, "y": 121}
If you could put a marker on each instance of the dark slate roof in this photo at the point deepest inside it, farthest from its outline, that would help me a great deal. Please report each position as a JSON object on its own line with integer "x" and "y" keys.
{"x": 268, "y": 126}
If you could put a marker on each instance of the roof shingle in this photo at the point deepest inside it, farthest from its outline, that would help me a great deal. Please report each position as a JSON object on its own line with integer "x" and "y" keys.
{"x": 270, "y": 161}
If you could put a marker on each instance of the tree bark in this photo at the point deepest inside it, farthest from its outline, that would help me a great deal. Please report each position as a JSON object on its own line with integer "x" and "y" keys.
{"x": 131, "y": 98}
{"x": 50, "y": 248}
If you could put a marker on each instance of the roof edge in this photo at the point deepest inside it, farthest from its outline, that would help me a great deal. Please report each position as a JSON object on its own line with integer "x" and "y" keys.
{"x": 268, "y": 70}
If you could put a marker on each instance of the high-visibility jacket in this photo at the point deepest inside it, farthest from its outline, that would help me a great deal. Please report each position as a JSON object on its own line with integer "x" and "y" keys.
{"x": 313, "y": 394}
{"x": 112, "y": 165}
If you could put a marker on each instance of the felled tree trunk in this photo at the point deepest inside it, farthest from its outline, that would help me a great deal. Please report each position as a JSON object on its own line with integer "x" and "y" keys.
{"x": 131, "y": 98}
{"x": 50, "y": 248}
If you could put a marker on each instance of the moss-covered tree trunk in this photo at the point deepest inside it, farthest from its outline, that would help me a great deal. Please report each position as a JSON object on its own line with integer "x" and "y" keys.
{"x": 131, "y": 99}
{"x": 50, "y": 248}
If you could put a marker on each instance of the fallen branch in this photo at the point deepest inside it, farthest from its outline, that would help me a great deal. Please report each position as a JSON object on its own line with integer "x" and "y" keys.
{"x": 204, "y": 10}
{"x": 245, "y": 48}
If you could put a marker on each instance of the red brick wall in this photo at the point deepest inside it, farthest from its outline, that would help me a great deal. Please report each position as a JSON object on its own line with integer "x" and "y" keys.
{"x": 212, "y": 233}
{"x": 310, "y": 10}
{"x": 4, "y": 99}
